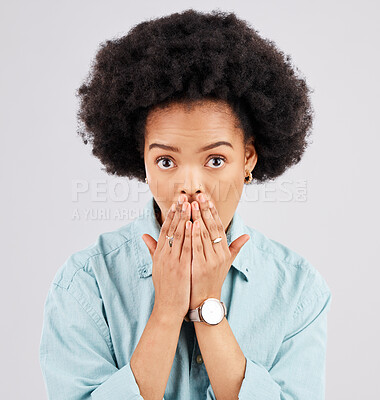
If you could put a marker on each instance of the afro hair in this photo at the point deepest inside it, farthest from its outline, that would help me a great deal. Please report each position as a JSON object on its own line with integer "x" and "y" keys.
{"x": 186, "y": 57}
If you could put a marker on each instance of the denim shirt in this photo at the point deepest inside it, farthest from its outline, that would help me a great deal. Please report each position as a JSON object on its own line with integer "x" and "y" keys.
{"x": 102, "y": 296}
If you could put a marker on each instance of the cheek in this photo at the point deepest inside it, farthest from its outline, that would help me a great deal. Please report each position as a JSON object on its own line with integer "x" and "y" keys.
{"x": 229, "y": 188}
{"x": 160, "y": 190}
{"x": 163, "y": 192}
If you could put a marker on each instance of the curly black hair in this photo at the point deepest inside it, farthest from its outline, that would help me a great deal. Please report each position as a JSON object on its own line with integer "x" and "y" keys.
{"x": 186, "y": 57}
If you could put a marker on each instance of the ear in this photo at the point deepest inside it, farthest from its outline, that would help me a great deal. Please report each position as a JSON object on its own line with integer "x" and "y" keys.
{"x": 250, "y": 155}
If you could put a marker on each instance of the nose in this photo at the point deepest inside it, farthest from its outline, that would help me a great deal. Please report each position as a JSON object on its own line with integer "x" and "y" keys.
{"x": 191, "y": 188}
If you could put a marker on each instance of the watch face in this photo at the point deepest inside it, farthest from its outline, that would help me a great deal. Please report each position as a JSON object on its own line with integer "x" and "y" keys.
{"x": 212, "y": 311}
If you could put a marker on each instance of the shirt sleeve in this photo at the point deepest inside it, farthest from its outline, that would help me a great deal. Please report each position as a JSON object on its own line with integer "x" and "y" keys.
{"x": 298, "y": 371}
{"x": 76, "y": 353}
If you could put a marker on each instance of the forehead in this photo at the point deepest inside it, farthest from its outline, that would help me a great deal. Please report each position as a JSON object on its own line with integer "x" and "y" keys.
{"x": 203, "y": 119}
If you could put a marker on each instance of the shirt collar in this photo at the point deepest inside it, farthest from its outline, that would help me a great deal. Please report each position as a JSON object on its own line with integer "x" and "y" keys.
{"x": 148, "y": 223}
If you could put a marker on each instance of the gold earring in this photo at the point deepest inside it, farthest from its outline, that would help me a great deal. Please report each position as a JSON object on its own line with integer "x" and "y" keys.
{"x": 146, "y": 180}
{"x": 249, "y": 177}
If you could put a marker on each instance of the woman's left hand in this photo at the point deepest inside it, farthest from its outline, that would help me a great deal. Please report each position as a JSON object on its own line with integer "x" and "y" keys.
{"x": 210, "y": 261}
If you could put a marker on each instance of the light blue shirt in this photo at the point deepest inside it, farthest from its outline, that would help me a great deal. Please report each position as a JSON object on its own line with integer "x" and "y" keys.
{"x": 102, "y": 297}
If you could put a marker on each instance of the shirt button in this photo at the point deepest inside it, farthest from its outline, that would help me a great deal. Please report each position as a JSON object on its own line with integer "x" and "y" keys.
{"x": 199, "y": 359}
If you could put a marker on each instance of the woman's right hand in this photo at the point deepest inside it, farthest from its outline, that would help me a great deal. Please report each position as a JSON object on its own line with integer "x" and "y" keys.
{"x": 172, "y": 265}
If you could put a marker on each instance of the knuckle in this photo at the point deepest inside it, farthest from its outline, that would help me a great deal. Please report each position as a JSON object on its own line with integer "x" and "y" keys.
{"x": 202, "y": 273}
{"x": 213, "y": 266}
{"x": 222, "y": 259}
{"x": 205, "y": 234}
{"x": 214, "y": 226}
{"x": 172, "y": 265}
{"x": 174, "y": 222}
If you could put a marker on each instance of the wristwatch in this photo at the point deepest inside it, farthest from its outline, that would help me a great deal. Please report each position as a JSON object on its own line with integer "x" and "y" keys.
{"x": 212, "y": 311}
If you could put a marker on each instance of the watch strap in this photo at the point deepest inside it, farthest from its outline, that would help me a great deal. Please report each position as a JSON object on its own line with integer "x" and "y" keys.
{"x": 195, "y": 315}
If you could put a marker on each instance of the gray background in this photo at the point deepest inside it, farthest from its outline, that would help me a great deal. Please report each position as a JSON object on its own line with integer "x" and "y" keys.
{"x": 46, "y": 51}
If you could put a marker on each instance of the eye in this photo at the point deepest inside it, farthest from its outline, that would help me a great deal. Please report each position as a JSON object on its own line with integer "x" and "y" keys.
{"x": 165, "y": 159}
{"x": 218, "y": 165}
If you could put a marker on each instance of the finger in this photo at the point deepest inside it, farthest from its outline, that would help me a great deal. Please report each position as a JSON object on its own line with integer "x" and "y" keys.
{"x": 165, "y": 226}
{"x": 195, "y": 211}
{"x": 150, "y": 243}
{"x": 179, "y": 233}
{"x": 208, "y": 248}
{"x": 215, "y": 215}
{"x": 163, "y": 241}
{"x": 219, "y": 224}
{"x": 186, "y": 247}
{"x": 177, "y": 216}
{"x": 197, "y": 245}
{"x": 174, "y": 223}
{"x": 208, "y": 219}
{"x": 205, "y": 235}
{"x": 237, "y": 244}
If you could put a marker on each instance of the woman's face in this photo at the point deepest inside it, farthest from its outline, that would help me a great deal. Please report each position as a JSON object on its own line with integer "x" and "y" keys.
{"x": 201, "y": 146}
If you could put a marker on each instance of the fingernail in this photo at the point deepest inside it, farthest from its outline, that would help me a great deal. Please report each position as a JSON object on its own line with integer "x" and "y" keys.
{"x": 196, "y": 206}
{"x": 180, "y": 199}
{"x": 184, "y": 206}
{"x": 210, "y": 204}
{"x": 173, "y": 207}
{"x": 202, "y": 198}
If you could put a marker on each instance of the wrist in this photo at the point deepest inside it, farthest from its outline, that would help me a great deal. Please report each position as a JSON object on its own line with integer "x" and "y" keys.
{"x": 211, "y": 311}
{"x": 196, "y": 303}
{"x": 166, "y": 317}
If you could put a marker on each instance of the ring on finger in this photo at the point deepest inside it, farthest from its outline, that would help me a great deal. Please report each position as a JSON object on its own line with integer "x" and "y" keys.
{"x": 171, "y": 238}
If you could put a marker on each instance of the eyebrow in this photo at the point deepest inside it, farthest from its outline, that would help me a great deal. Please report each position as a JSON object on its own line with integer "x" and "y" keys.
{"x": 177, "y": 150}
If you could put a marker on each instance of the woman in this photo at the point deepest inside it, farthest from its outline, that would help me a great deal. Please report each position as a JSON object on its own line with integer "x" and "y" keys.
{"x": 187, "y": 301}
